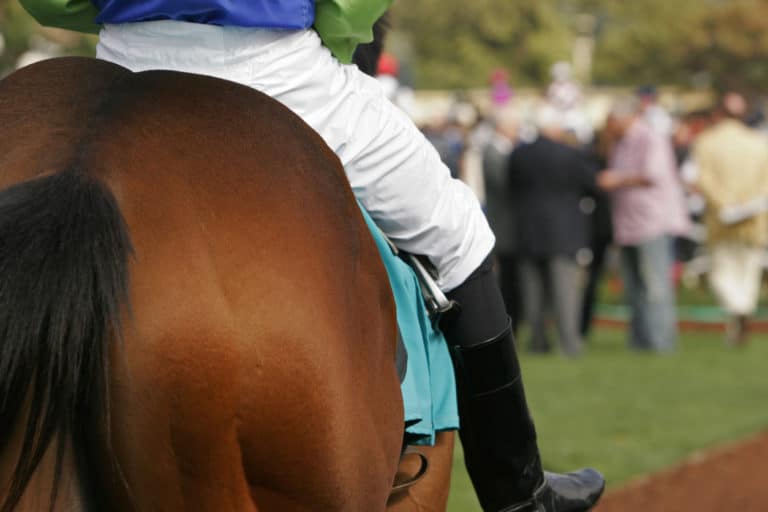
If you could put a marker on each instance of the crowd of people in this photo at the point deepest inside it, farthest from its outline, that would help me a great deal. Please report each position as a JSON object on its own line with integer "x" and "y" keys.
{"x": 559, "y": 194}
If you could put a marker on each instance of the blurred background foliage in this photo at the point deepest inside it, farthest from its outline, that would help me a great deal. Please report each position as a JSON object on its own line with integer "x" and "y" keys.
{"x": 451, "y": 44}
{"x": 683, "y": 42}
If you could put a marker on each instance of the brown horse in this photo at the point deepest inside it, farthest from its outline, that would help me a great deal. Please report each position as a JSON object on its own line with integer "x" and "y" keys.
{"x": 193, "y": 313}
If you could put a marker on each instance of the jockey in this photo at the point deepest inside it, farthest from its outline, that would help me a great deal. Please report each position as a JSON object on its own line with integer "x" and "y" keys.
{"x": 299, "y": 52}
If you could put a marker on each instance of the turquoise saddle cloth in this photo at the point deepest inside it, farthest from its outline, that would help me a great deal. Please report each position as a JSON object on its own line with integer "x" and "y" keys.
{"x": 429, "y": 387}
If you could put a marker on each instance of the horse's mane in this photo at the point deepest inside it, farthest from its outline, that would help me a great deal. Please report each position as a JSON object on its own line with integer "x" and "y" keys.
{"x": 367, "y": 55}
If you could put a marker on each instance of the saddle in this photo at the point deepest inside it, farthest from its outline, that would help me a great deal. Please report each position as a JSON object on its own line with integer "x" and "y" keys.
{"x": 423, "y": 361}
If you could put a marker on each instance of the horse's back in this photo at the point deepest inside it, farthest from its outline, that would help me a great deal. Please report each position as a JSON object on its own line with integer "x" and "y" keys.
{"x": 261, "y": 326}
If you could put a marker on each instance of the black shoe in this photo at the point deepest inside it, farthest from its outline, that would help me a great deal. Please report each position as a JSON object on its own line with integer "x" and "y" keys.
{"x": 572, "y": 492}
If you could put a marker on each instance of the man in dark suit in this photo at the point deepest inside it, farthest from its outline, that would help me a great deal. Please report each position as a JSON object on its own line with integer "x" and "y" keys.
{"x": 499, "y": 210}
{"x": 549, "y": 181}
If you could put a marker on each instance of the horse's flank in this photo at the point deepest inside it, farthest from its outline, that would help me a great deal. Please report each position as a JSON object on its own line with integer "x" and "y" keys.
{"x": 255, "y": 368}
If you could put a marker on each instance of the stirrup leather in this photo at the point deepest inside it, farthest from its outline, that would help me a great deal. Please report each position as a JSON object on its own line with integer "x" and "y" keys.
{"x": 434, "y": 299}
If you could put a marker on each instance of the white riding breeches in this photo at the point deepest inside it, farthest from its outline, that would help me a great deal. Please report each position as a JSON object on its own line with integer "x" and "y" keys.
{"x": 394, "y": 172}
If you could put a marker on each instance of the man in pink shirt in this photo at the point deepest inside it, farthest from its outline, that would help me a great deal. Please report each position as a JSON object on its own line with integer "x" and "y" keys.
{"x": 648, "y": 209}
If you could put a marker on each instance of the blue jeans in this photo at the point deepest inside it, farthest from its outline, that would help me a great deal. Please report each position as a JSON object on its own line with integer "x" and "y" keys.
{"x": 650, "y": 294}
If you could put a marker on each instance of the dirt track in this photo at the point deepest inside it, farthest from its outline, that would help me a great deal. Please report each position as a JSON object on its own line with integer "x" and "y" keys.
{"x": 734, "y": 478}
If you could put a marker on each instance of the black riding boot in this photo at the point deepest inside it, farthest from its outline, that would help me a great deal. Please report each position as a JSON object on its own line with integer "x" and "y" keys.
{"x": 497, "y": 431}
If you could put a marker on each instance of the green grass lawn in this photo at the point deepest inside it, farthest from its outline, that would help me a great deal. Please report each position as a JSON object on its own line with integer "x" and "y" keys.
{"x": 631, "y": 414}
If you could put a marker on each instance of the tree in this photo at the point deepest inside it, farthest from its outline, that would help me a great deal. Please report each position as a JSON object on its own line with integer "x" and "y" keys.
{"x": 729, "y": 41}
{"x": 457, "y": 44}
{"x": 638, "y": 42}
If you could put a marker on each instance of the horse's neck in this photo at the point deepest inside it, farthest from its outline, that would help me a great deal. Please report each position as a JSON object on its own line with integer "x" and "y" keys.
{"x": 38, "y": 494}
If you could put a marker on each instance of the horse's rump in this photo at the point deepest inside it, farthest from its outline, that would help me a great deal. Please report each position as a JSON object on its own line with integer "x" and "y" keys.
{"x": 262, "y": 325}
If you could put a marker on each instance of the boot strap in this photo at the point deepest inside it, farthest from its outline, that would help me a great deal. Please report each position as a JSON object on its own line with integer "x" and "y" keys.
{"x": 530, "y": 505}
{"x": 491, "y": 365}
